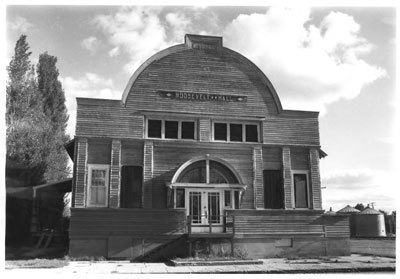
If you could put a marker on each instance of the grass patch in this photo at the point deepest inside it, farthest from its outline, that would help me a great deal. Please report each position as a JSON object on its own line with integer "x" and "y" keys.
{"x": 37, "y": 263}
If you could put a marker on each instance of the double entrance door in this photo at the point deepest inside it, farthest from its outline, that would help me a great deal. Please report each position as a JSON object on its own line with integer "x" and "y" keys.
{"x": 205, "y": 209}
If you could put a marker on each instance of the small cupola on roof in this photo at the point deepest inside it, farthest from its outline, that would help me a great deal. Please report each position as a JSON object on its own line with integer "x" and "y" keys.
{"x": 203, "y": 42}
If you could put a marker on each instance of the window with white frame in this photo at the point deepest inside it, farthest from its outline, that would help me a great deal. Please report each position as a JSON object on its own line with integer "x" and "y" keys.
{"x": 301, "y": 189}
{"x": 236, "y": 132}
{"x": 171, "y": 129}
{"x": 98, "y": 181}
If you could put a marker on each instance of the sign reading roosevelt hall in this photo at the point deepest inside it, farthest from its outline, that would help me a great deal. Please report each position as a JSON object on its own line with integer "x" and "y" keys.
{"x": 201, "y": 96}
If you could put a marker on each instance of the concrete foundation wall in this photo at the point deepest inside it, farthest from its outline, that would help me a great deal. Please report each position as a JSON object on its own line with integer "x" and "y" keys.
{"x": 284, "y": 247}
{"x": 131, "y": 248}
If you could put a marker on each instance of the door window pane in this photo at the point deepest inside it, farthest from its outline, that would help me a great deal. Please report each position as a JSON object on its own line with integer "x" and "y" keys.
{"x": 187, "y": 130}
{"x": 300, "y": 190}
{"x": 251, "y": 133}
{"x": 171, "y": 129}
{"x": 195, "y": 207}
{"x": 236, "y": 132}
{"x": 220, "y": 132}
{"x": 213, "y": 207}
{"x": 154, "y": 129}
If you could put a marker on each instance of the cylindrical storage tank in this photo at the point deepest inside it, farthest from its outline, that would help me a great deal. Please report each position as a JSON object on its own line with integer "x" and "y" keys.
{"x": 370, "y": 222}
{"x": 351, "y": 212}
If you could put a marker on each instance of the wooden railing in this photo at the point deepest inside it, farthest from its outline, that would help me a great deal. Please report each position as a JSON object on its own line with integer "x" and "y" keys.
{"x": 227, "y": 224}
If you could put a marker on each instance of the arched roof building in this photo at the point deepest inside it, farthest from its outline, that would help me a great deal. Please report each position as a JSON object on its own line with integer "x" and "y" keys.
{"x": 199, "y": 137}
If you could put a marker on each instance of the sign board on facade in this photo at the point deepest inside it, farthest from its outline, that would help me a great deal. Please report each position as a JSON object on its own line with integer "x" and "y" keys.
{"x": 201, "y": 96}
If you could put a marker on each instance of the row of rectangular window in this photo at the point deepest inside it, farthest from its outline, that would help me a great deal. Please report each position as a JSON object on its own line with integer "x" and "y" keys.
{"x": 169, "y": 129}
{"x": 232, "y": 132}
{"x": 235, "y": 132}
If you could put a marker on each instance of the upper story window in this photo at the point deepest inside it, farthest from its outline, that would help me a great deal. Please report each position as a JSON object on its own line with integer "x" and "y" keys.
{"x": 236, "y": 132}
{"x": 171, "y": 129}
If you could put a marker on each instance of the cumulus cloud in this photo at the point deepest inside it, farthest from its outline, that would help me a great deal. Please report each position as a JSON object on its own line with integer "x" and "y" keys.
{"x": 91, "y": 44}
{"x": 141, "y": 32}
{"x": 310, "y": 65}
{"x": 90, "y": 85}
{"x": 136, "y": 30}
{"x": 20, "y": 23}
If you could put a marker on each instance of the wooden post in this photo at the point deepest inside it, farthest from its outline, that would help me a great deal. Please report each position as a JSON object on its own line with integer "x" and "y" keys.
{"x": 190, "y": 247}
{"x": 209, "y": 226}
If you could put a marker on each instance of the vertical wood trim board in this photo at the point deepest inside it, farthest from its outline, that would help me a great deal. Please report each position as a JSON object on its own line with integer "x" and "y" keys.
{"x": 148, "y": 174}
{"x": 315, "y": 179}
{"x": 258, "y": 177}
{"x": 115, "y": 174}
{"x": 81, "y": 173}
{"x": 205, "y": 129}
{"x": 287, "y": 178}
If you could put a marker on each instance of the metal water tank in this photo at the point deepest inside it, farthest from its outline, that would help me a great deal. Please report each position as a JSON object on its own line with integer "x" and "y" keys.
{"x": 370, "y": 222}
{"x": 351, "y": 212}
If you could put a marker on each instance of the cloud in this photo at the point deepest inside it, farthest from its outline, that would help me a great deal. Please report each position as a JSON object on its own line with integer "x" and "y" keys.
{"x": 310, "y": 65}
{"x": 137, "y": 31}
{"x": 140, "y": 32}
{"x": 21, "y": 24}
{"x": 90, "y": 85}
{"x": 352, "y": 186}
{"x": 91, "y": 44}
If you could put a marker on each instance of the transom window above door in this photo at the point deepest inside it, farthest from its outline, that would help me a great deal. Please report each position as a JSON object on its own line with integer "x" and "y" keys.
{"x": 207, "y": 171}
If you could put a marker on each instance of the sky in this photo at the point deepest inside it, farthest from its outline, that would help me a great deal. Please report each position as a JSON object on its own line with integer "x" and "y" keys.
{"x": 339, "y": 61}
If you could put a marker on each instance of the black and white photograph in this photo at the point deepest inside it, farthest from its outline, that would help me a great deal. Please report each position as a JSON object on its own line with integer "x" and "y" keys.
{"x": 204, "y": 138}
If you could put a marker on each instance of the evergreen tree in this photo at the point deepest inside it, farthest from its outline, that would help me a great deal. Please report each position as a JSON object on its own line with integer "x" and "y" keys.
{"x": 51, "y": 91}
{"x": 53, "y": 102}
{"x": 27, "y": 126}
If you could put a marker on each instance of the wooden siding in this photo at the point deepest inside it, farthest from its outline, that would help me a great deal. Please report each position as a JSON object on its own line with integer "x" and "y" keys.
{"x": 167, "y": 160}
{"x": 107, "y": 118}
{"x": 103, "y": 222}
{"x": 99, "y": 151}
{"x": 201, "y": 71}
{"x": 258, "y": 177}
{"x": 79, "y": 189}
{"x": 299, "y": 158}
{"x": 315, "y": 178}
{"x": 287, "y": 178}
{"x": 272, "y": 158}
{"x": 132, "y": 153}
{"x": 289, "y": 222}
{"x": 205, "y": 129}
{"x": 115, "y": 173}
{"x": 293, "y": 130}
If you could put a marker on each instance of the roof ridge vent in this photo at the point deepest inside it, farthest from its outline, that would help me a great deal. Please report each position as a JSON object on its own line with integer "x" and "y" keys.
{"x": 203, "y": 42}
